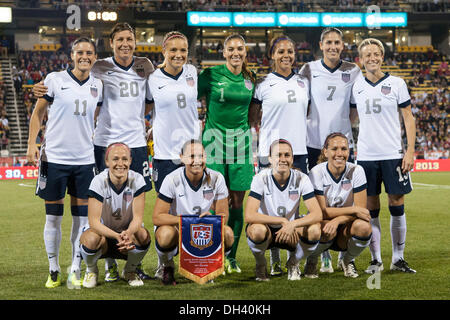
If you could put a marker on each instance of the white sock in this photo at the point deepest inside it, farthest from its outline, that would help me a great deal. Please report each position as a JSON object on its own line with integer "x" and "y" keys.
{"x": 78, "y": 224}
{"x": 355, "y": 246}
{"x": 326, "y": 254}
{"x": 52, "y": 240}
{"x": 375, "y": 248}
{"x": 321, "y": 248}
{"x": 274, "y": 255}
{"x": 303, "y": 250}
{"x": 109, "y": 262}
{"x": 165, "y": 258}
{"x": 258, "y": 250}
{"x": 135, "y": 257}
{"x": 90, "y": 257}
{"x": 398, "y": 236}
{"x": 341, "y": 255}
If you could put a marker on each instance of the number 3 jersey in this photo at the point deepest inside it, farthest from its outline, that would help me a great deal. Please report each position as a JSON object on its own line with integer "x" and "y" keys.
{"x": 277, "y": 201}
{"x": 176, "y": 115}
{"x": 117, "y": 209}
{"x": 378, "y": 106}
{"x": 338, "y": 192}
{"x": 121, "y": 116}
{"x": 70, "y": 125}
{"x": 187, "y": 199}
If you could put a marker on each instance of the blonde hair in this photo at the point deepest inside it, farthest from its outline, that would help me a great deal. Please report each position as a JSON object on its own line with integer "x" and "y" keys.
{"x": 370, "y": 41}
{"x": 169, "y": 36}
{"x": 248, "y": 74}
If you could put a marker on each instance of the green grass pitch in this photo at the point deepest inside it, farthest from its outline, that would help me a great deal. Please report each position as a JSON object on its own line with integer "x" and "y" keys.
{"x": 24, "y": 266}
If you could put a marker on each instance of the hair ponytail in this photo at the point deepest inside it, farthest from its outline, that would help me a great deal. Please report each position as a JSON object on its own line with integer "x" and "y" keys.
{"x": 322, "y": 157}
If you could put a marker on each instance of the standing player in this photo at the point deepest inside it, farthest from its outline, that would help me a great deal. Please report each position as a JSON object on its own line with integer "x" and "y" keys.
{"x": 378, "y": 98}
{"x": 66, "y": 159}
{"x": 283, "y": 97}
{"x": 331, "y": 81}
{"x": 192, "y": 189}
{"x": 272, "y": 212}
{"x": 121, "y": 117}
{"x": 116, "y": 211}
{"x": 340, "y": 189}
{"x": 228, "y": 89}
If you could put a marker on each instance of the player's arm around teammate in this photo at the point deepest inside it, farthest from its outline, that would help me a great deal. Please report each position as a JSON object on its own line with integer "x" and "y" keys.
{"x": 189, "y": 190}
{"x": 340, "y": 189}
{"x": 116, "y": 212}
{"x": 272, "y": 212}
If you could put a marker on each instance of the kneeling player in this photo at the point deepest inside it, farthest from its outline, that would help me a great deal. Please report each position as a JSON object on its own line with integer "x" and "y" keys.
{"x": 272, "y": 212}
{"x": 116, "y": 211}
{"x": 189, "y": 190}
{"x": 340, "y": 188}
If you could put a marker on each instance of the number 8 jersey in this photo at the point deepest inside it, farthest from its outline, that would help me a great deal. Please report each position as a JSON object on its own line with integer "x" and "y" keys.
{"x": 70, "y": 125}
{"x": 378, "y": 106}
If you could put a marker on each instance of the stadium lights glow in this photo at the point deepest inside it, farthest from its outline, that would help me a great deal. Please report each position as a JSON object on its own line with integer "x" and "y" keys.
{"x": 103, "y": 16}
{"x": 5, "y": 15}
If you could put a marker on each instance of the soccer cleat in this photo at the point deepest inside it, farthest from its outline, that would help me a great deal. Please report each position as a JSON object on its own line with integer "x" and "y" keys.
{"x": 402, "y": 265}
{"x": 294, "y": 272}
{"x": 375, "y": 266}
{"x": 90, "y": 279}
{"x": 112, "y": 274}
{"x": 311, "y": 270}
{"x": 261, "y": 273}
{"x": 275, "y": 269}
{"x": 53, "y": 280}
{"x": 132, "y": 278}
{"x": 141, "y": 273}
{"x": 325, "y": 266}
{"x": 232, "y": 266}
{"x": 349, "y": 269}
{"x": 159, "y": 272}
{"x": 74, "y": 280}
{"x": 168, "y": 276}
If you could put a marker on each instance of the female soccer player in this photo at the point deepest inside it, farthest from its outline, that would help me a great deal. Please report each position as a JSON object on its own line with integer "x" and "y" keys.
{"x": 192, "y": 189}
{"x": 340, "y": 189}
{"x": 272, "y": 212}
{"x": 283, "y": 98}
{"x": 66, "y": 158}
{"x": 121, "y": 117}
{"x": 378, "y": 98}
{"x": 116, "y": 211}
{"x": 331, "y": 80}
{"x": 228, "y": 89}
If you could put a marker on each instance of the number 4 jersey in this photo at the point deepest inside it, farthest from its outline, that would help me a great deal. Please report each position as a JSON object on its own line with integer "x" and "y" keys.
{"x": 70, "y": 125}
{"x": 378, "y": 106}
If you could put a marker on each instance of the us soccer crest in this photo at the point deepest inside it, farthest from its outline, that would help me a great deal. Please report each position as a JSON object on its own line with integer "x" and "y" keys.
{"x": 208, "y": 194}
{"x": 300, "y": 83}
{"x": 94, "y": 92}
{"x": 293, "y": 195}
{"x": 201, "y": 235}
{"x": 248, "y": 84}
{"x": 127, "y": 196}
{"x": 385, "y": 90}
{"x": 190, "y": 81}
{"x": 140, "y": 71}
{"x": 346, "y": 77}
{"x": 346, "y": 185}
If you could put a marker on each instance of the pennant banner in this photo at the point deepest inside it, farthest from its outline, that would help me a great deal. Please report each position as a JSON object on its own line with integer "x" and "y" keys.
{"x": 201, "y": 247}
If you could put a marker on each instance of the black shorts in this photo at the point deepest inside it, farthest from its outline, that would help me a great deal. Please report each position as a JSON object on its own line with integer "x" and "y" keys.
{"x": 300, "y": 162}
{"x": 273, "y": 243}
{"x": 54, "y": 179}
{"x": 388, "y": 172}
{"x": 112, "y": 250}
{"x": 139, "y": 162}
{"x": 161, "y": 168}
{"x": 313, "y": 156}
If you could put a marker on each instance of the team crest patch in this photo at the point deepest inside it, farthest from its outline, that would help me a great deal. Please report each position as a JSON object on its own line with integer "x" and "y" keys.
{"x": 94, "y": 92}
{"x": 293, "y": 195}
{"x": 248, "y": 84}
{"x": 127, "y": 196}
{"x": 42, "y": 182}
{"x": 346, "y": 185}
{"x": 201, "y": 235}
{"x": 300, "y": 83}
{"x": 208, "y": 194}
{"x": 140, "y": 71}
{"x": 385, "y": 90}
{"x": 190, "y": 81}
{"x": 346, "y": 77}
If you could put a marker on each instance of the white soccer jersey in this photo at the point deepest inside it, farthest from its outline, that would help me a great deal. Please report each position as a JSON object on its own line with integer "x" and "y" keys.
{"x": 176, "y": 115}
{"x": 70, "y": 125}
{"x": 330, "y": 100}
{"x": 378, "y": 106}
{"x": 338, "y": 192}
{"x": 121, "y": 116}
{"x": 284, "y": 103}
{"x": 186, "y": 199}
{"x": 277, "y": 201}
{"x": 117, "y": 209}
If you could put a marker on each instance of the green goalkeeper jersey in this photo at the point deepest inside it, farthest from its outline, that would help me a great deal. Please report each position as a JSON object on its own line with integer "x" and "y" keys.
{"x": 228, "y": 97}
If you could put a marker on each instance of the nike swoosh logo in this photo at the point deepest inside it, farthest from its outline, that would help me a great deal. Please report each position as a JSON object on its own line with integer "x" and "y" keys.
{"x": 400, "y": 244}
{"x": 62, "y": 88}
{"x": 272, "y": 84}
{"x": 315, "y": 76}
{"x": 110, "y": 72}
{"x": 220, "y": 83}
{"x": 162, "y": 86}
{"x": 360, "y": 91}
{"x": 50, "y": 257}
{"x": 181, "y": 195}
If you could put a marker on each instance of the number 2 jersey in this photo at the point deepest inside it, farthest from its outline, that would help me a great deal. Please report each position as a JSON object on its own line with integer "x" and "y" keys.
{"x": 330, "y": 100}
{"x": 121, "y": 116}
{"x": 70, "y": 125}
{"x": 378, "y": 104}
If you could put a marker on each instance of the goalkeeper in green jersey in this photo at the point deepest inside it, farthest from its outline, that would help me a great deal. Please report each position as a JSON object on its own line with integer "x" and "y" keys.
{"x": 228, "y": 90}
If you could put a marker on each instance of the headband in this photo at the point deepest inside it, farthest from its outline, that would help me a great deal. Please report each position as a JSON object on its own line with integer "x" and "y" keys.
{"x": 116, "y": 144}
{"x": 177, "y": 35}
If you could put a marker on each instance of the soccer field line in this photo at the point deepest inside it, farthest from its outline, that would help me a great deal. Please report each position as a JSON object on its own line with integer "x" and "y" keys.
{"x": 434, "y": 186}
{"x": 27, "y": 185}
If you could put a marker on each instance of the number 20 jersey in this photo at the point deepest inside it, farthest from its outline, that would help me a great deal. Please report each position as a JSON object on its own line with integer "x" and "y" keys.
{"x": 121, "y": 116}
{"x": 70, "y": 125}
